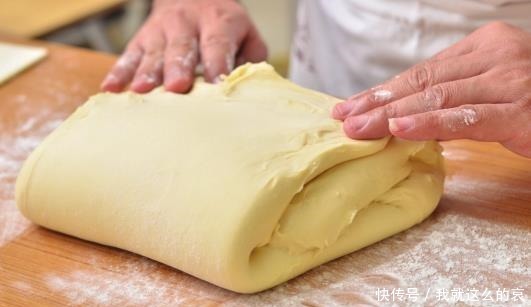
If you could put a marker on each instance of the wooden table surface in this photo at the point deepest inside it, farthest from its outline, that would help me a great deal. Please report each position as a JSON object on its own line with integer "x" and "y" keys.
{"x": 33, "y": 18}
{"x": 478, "y": 237}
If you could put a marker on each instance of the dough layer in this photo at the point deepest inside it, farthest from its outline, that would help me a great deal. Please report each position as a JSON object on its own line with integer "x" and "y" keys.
{"x": 244, "y": 184}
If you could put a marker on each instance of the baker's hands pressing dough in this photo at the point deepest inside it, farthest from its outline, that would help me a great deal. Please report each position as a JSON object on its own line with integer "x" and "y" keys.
{"x": 177, "y": 36}
{"x": 479, "y": 88}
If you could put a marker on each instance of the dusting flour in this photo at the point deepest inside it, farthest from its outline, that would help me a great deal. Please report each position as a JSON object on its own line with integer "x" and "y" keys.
{"x": 469, "y": 116}
{"x": 382, "y": 95}
{"x": 13, "y": 150}
{"x": 448, "y": 251}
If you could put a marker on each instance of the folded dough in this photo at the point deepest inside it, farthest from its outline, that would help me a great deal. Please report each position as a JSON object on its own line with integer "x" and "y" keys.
{"x": 244, "y": 184}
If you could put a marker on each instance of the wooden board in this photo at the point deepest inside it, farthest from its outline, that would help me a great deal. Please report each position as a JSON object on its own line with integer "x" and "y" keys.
{"x": 479, "y": 236}
{"x": 31, "y": 18}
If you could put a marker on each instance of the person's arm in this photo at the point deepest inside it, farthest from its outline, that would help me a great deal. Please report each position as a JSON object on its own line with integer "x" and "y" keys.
{"x": 479, "y": 88}
{"x": 178, "y": 35}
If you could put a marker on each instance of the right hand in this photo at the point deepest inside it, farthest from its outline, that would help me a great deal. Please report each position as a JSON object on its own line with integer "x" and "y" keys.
{"x": 176, "y": 36}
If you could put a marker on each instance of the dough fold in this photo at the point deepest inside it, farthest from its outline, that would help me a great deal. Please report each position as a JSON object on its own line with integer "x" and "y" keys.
{"x": 244, "y": 184}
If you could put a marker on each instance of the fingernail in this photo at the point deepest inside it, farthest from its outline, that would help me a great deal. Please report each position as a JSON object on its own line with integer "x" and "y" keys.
{"x": 342, "y": 109}
{"x": 358, "y": 122}
{"x": 401, "y": 124}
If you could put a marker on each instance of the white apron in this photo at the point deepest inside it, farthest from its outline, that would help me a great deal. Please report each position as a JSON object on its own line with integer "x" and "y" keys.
{"x": 344, "y": 46}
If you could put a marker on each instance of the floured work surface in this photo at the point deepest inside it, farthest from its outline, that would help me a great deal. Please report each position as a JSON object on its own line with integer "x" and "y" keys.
{"x": 459, "y": 246}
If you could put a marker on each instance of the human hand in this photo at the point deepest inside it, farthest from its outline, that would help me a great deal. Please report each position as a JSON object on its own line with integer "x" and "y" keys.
{"x": 176, "y": 36}
{"x": 479, "y": 88}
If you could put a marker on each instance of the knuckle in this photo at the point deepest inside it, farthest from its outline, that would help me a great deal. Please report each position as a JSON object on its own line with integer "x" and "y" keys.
{"x": 518, "y": 73}
{"x": 513, "y": 49}
{"x": 152, "y": 52}
{"x": 420, "y": 77}
{"x": 215, "y": 40}
{"x": 183, "y": 42}
{"x": 177, "y": 12}
{"x": 436, "y": 97}
{"x": 493, "y": 25}
{"x": 379, "y": 96}
{"x": 465, "y": 117}
{"x": 430, "y": 122}
{"x": 525, "y": 104}
{"x": 225, "y": 14}
{"x": 520, "y": 51}
{"x": 439, "y": 124}
{"x": 177, "y": 19}
{"x": 180, "y": 12}
{"x": 217, "y": 12}
{"x": 153, "y": 46}
{"x": 498, "y": 25}
{"x": 390, "y": 111}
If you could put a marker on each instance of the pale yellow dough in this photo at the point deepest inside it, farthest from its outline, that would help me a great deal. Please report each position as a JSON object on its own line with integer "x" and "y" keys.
{"x": 245, "y": 184}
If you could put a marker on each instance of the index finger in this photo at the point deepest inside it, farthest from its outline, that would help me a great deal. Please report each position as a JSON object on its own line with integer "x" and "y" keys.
{"x": 414, "y": 80}
{"x": 123, "y": 70}
{"x": 181, "y": 55}
{"x": 220, "y": 40}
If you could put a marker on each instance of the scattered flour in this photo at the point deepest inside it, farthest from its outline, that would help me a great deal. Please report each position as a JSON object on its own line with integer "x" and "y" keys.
{"x": 448, "y": 250}
{"x": 438, "y": 254}
{"x": 382, "y": 95}
{"x": 469, "y": 116}
{"x": 445, "y": 252}
{"x": 133, "y": 281}
{"x": 460, "y": 119}
{"x": 13, "y": 150}
{"x": 23, "y": 286}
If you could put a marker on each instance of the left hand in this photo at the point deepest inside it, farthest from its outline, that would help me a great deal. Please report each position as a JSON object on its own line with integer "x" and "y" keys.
{"x": 479, "y": 88}
{"x": 177, "y": 36}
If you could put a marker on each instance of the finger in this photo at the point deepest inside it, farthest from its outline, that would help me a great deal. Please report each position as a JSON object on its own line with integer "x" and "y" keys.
{"x": 181, "y": 55}
{"x": 149, "y": 73}
{"x": 486, "y": 122}
{"x": 253, "y": 49}
{"x": 414, "y": 80}
{"x": 218, "y": 53}
{"x": 180, "y": 62}
{"x": 219, "y": 43}
{"x": 374, "y": 124}
{"x": 123, "y": 70}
